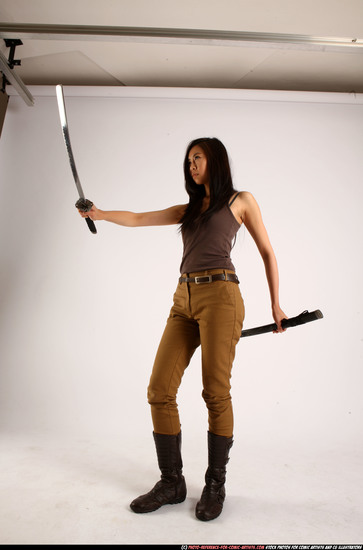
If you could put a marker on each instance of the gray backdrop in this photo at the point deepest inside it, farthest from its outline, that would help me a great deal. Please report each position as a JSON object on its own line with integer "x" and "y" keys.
{"x": 81, "y": 315}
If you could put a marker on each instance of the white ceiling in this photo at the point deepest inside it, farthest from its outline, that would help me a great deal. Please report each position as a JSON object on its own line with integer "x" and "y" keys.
{"x": 115, "y": 63}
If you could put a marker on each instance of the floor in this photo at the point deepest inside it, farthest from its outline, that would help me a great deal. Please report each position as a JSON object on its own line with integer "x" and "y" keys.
{"x": 76, "y": 490}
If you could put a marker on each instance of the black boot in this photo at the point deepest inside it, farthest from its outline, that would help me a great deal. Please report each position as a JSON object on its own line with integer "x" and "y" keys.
{"x": 171, "y": 488}
{"x": 211, "y": 502}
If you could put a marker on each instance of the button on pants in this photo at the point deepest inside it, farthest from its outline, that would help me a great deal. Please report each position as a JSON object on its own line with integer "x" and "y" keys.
{"x": 210, "y": 315}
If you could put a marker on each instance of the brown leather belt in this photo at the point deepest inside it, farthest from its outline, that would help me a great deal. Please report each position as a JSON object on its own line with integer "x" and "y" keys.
{"x": 203, "y": 279}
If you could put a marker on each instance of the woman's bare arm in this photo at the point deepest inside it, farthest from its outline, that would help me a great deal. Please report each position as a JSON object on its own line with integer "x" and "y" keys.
{"x": 169, "y": 216}
{"x": 251, "y": 215}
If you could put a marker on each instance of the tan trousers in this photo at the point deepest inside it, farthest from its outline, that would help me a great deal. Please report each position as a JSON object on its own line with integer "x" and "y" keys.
{"x": 210, "y": 315}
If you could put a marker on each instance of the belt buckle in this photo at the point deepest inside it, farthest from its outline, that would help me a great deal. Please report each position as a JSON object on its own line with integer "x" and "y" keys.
{"x": 209, "y": 277}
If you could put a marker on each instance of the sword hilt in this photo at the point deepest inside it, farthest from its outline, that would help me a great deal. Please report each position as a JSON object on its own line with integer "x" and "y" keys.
{"x": 84, "y": 205}
{"x": 91, "y": 225}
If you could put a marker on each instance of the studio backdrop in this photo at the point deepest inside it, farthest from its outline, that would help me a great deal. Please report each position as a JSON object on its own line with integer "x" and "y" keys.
{"x": 81, "y": 315}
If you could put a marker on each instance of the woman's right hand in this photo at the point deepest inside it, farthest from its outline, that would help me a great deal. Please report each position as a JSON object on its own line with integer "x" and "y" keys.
{"x": 94, "y": 213}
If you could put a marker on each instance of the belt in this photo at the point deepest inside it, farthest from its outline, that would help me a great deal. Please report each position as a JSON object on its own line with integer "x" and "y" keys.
{"x": 203, "y": 279}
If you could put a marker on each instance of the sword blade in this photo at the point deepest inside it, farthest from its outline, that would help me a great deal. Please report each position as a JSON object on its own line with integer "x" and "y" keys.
{"x": 67, "y": 140}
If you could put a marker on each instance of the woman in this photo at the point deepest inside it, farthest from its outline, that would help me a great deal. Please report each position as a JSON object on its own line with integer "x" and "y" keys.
{"x": 208, "y": 310}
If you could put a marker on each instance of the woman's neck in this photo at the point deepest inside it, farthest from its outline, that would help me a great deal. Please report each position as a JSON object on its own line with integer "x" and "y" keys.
{"x": 205, "y": 203}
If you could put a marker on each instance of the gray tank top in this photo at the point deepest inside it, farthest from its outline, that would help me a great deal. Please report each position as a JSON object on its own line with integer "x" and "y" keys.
{"x": 209, "y": 247}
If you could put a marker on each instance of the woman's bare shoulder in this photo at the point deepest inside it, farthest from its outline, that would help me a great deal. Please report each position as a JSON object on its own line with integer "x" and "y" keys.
{"x": 246, "y": 200}
{"x": 245, "y": 196}
{"x": 244, "y": 203}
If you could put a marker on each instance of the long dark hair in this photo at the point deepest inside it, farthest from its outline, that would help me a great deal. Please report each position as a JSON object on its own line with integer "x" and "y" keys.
{"x": 220, "y": 181}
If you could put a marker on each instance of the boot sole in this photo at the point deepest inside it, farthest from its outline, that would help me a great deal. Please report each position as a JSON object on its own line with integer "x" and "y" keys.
{"x": 143, "y": 511}
{"x": 202, "y": 518}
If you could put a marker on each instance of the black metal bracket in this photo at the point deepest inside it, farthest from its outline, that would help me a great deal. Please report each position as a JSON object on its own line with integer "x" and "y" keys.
{"x": 11, "y": 43}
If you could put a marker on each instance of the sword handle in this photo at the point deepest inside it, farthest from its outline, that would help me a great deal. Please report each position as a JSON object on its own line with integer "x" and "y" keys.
{"x": 85, "y": 205}
{"x": 91, "y": 225}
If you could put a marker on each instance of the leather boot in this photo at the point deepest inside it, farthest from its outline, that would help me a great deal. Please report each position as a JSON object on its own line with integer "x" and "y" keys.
{"x": 171, "y": 488}
{"x": 211, "y": 502}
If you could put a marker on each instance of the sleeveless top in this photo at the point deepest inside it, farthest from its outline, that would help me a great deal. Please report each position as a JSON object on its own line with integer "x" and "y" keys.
{"x": 210, "y": 245}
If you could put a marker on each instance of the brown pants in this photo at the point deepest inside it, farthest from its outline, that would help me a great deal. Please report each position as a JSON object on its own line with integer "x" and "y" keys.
{"x": 210, "y": 315}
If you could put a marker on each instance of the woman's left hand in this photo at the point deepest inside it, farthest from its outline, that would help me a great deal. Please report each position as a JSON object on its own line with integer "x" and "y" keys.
{"x": 278, "y": 315}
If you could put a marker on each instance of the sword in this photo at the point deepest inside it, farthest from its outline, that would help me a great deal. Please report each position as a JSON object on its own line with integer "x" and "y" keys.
{"x": 82, "y": 204}
{"x": 304, "y": 317}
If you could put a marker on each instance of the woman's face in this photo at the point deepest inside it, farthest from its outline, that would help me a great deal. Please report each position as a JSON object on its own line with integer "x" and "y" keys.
{"x": 198, "y": 166}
